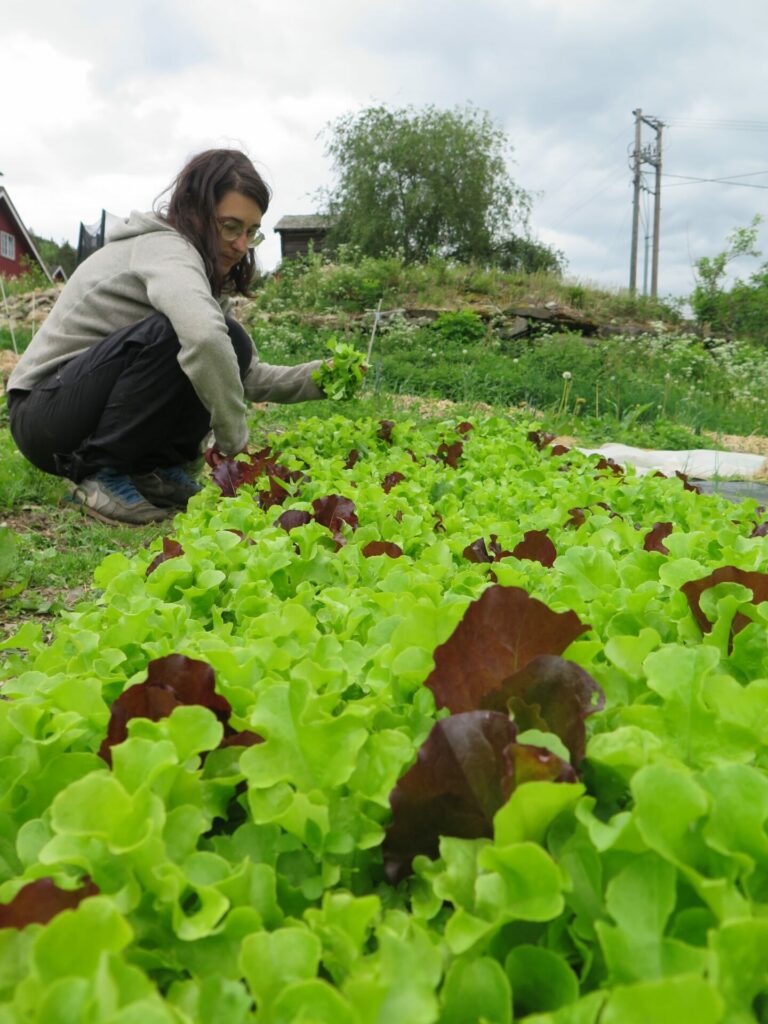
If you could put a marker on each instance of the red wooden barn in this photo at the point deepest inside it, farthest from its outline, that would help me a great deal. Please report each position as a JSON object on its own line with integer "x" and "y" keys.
{"x": 17, "y": 249}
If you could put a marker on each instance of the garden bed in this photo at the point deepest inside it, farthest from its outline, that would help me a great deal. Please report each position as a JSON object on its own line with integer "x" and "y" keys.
{"x": 451, "y": 720}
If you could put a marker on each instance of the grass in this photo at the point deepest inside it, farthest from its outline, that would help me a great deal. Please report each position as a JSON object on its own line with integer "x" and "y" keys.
{"x": 18, "y": 340}
{"x": 48, "y": 551}
{"x": 659, "y": 390}
{"x": 55, "y": 553}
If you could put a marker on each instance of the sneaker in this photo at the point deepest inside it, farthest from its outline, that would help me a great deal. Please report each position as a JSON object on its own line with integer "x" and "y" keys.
{"x": 111, "y": 497}
{"x": 167, "y": 486}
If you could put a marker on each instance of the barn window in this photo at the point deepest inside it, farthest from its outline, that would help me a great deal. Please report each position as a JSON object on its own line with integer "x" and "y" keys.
{"x": 7, "y": 246}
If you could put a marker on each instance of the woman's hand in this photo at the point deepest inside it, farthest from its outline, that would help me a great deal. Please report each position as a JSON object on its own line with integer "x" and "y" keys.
{"x": 363, "y": 366}
{"x": 214, "y": 455}
{"x": 340, "y": 375}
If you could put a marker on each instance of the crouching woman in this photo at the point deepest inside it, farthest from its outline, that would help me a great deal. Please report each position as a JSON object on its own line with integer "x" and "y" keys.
{"x": 137, "y": 361}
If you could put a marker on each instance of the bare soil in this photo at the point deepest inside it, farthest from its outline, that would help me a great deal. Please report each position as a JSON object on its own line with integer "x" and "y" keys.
{"x": 8, "y": 360}
{"x": 752, "y": 444}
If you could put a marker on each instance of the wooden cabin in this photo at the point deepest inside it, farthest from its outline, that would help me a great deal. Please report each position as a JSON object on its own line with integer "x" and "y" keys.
{"x": 17, "y": 250}
{"x": 298, "y": 230}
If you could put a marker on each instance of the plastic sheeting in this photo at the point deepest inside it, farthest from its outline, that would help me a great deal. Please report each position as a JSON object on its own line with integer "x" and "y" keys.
{"x": 698, "y": 463}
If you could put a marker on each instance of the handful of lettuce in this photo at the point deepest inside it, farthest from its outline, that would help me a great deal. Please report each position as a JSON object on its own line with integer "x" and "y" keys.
{"x": 340, "y": 377}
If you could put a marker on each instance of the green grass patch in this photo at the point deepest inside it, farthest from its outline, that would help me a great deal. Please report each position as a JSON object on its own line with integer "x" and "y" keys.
{"x": 657, "y": 388}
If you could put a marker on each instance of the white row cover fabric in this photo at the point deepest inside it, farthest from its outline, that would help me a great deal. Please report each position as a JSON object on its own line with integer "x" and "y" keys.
{"x": 699, "y": 463}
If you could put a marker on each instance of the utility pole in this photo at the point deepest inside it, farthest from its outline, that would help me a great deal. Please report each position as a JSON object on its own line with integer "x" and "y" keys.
{"x": 645, "y": 263}
{"x": 649, "y": 154}
{"x": 656, "y": 161}
{"x": 636, "y": 169}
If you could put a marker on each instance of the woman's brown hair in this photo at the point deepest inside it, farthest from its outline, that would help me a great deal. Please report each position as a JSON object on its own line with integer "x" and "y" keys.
{"x": 191, "y": 209}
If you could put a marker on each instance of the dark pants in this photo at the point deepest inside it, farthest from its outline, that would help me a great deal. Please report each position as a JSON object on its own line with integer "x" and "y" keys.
{"x": 125, "y": 404}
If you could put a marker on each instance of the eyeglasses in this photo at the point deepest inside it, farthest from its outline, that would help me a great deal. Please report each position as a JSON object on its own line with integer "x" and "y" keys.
{"x": 231, "y": 230}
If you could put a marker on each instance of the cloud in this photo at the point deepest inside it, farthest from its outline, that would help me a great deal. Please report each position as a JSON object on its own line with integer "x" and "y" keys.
{"x": 119, "y": 42}
{"x": 117, "y": 97}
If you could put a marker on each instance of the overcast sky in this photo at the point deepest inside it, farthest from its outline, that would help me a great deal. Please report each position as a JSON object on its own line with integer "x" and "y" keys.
{"x": 103, "y": 103}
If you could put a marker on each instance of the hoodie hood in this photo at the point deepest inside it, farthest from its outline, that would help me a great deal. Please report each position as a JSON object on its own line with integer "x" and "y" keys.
{"x": 136, "y": 224}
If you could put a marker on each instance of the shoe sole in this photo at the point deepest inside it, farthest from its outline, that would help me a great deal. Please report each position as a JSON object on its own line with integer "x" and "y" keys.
{"x": 94, "y": 514}
{"x": 164, "y": 503}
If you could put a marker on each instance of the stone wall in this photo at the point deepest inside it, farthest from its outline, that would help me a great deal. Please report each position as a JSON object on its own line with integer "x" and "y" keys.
{"x": 510, "y": 322}
{"x": 28, "y": 308}
{"x": 31, "y": 308}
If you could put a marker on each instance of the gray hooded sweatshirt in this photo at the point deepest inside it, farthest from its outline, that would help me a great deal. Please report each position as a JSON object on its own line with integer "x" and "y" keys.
{"x": 148, "y": 267}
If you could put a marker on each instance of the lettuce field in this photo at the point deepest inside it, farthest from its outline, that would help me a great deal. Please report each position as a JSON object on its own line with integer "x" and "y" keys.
{"x": 404, "y": 723}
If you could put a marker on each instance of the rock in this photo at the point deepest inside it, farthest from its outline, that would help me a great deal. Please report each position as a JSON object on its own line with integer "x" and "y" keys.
{"x": 621, "y": 330}
{"x": 486, "y": 312}
{"x": 517, "y": 327}
{"x": 424, "y": 315}
{"x": 30, "y": 307}
{"x": 528, "y": 312}
{"x": 559, "y": 316}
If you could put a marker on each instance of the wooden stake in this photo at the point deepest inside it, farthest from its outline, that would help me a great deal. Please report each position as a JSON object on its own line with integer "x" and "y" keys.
{"x": 376, "y": 318}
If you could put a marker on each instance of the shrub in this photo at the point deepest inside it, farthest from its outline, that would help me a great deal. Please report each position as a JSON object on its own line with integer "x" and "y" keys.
{"x": 462, "y": 328}
{"x": 743, "y": 310}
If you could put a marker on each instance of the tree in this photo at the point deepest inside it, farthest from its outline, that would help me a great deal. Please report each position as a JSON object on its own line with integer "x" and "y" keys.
{"x": 744, "y": 308}
{"x": 526, "y": 255}
{"x": 55, "y": 254}
{"x": 423, "y": 182}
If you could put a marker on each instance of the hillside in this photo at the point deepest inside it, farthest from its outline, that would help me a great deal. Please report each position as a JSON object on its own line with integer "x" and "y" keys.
{"x": 331, "y": 295}
{"x": 603, "y": 365}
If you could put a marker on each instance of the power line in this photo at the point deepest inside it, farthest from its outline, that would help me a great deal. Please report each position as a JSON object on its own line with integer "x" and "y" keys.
{"x": 608, "y": 180}
{"x": 731, "y": 177}
{"x": 610, "y": 260}
{"x": 727, "y": 124}
{"x": 724, "y": 177}
{"x": 567, "y": 181}
{"x": 690, "y": 180}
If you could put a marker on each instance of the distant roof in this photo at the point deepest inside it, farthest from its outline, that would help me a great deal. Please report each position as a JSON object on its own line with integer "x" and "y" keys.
{"x": 304, "y": 222}
{"x": 20, "y": 225}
